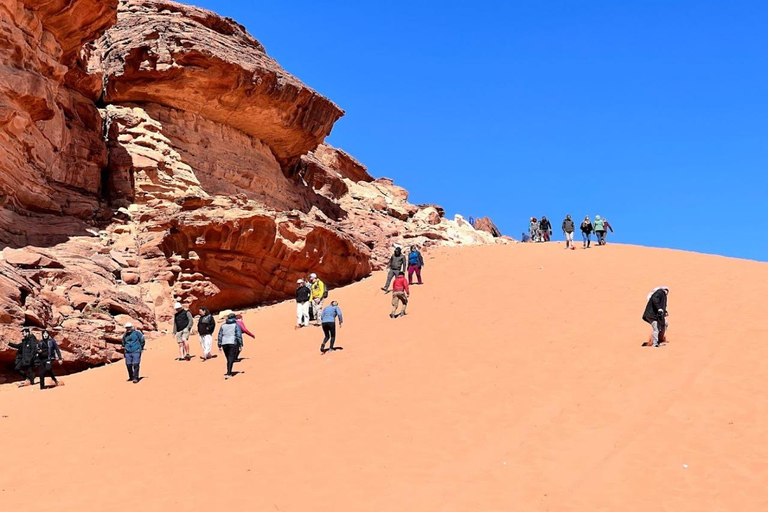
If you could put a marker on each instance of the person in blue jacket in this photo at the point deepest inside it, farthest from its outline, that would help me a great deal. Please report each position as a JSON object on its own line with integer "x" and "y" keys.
{"x": 415, "y": 264}
{"x": 328, "y": 317}
{"x": 133, "y": 346}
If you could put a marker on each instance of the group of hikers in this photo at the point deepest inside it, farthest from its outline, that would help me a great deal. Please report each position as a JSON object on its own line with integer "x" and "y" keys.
{"x": 35, "y": 358}
{"x": 541, "y": 231}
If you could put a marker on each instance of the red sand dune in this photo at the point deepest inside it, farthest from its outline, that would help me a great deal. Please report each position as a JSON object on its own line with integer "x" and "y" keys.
{"x": 517, "y": 382}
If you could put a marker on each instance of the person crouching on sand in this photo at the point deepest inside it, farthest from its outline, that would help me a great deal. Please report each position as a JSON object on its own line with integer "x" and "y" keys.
{"x": 656, "y": 314}
{"x": 328, "y": 317}
{"x": 400, "y": 292}
{"x": 230, "y": 340}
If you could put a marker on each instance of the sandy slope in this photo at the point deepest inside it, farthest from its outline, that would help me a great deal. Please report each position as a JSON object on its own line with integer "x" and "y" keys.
{"x": 516, "y": 383}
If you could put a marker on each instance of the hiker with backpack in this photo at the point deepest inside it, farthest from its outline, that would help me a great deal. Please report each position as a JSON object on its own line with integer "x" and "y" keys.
{"x": 206, "y": 325}
{"x": 586, "y": 232}
{"x": 400, "y": 293}
{"x": 568, "y": 228}
{"x": 415, "y": 264}
{"x": 48, "y": 351}
{"x": 230, "y": 340}
{"x": 318, "y": 294}
{"x": 656, "y": 314}
{"x": 328, "y": 316}
{"x": 26, "y": 353}
{"x": 303, "y": 296}
{"x": 396, "y": 265}
{"x": 133, "y": 346}
{"x": 183, "y": 321}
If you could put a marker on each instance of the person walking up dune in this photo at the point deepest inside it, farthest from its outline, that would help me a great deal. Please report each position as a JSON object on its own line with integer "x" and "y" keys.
{"x": 608, "y": 227}
{"x": 246, "y": 331}
{"x": 303, "y": 295}
{"x": 396, "y": 265}
{"x": 533, "y": 229}
{"x": 318, "y": 295}
{"x": 133, "y": 346}
{"x": 206, "y": 326}
{"x": 183, "y": 321}
{"x": 545, "y": 228}
{"x": 400, "y": 293}
{"x": 230, "y": 339}
{"x": 415, "y": 264}
{"x": 48, "y": 351}
{"x": 656, "y": 314}
{"x": 568, "y": 229}
{"x": 329, "y": 316}
{"x": 586, "y": 232}
{"x": 26, "y": 353}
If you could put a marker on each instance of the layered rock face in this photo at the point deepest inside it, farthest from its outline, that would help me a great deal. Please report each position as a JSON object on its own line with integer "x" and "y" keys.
{"x": 154, "y": 152}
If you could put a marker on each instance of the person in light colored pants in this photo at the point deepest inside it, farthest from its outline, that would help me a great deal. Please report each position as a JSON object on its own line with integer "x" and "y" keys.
{"x": 317, "y": 304}
{"x": 568, "y": 239}
{"x": 655, "y": 334}
{"x": 206, "y": 343}
{"x": 302, "y": 313}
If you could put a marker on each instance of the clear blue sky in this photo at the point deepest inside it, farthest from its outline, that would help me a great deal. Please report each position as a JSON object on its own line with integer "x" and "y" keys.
{"x": 653, "y": 114}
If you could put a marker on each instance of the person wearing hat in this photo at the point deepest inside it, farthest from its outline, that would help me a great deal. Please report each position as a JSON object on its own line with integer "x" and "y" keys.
{"x": 206, "y": 325}
{"x": 586, "y": 232}
{"x": 400, "y": 294}
{"x": 47, "y": 351}
{"x": 568, "y": 228}
{"x": 230, "y": 340}
{"x": 396, "y": 265}
{"x": 26, "y": 353}
{"x": 183, "y": 321}
{"x": 599, "y": 230}
{"x": 318, "y": 294}
{"x": 545, "y": 228}
{"x": 656, "y": 314}
{"x": 133, "y": 346}
{"x": 329, "y": 316}
{"x": 303, "y": 295}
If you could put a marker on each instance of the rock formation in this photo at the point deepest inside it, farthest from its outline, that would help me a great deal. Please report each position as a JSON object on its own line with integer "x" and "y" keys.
{"x": 154, "y": 152}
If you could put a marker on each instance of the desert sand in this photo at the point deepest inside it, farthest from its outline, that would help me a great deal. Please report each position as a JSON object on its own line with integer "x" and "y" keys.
{"x": 516, "y": 382}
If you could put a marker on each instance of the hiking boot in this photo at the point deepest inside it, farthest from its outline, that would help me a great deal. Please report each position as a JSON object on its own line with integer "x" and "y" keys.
{"x": 391, "y": 315}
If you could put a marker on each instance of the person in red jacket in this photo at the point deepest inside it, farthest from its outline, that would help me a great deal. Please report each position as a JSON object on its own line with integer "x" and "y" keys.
{"x": 400, "y": 293}
{"x": 245, "y": 330}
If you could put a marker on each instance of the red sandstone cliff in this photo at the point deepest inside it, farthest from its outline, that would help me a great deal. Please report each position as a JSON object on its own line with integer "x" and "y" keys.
{"x": 152, "y": 152}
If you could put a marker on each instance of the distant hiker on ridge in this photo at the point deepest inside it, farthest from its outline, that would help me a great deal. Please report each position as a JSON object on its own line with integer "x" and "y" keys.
{"x": 303, "y": 294}
{"x": 329, "y": 316}
{"x": 206, "y": 325}
{"x": 25, "y": 356}
{"x": 545, "y": 228}
{"x": 318, "y": 295}
{"x": 568, "y": 228}
{"x": 48, "y": 351}
{"x": 607, "y": 228}
{"x": 656, "y": 314}
{"x": 415, "y": 264}
{"x": 400, "y": 293}
{"x": 533, "y": 229}
{"x": 586, "y": 232}
{"x": 133, "y": 345}
{"x": 396, "y": 265}
{"x": 183, "y": 321}
{"x": 230, "y": 340}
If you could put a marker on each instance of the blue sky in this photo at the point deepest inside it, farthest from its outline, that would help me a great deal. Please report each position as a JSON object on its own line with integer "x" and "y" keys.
{"x": 653, "y": 114}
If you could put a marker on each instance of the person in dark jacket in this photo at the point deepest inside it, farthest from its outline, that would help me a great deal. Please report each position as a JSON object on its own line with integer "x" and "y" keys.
{"x": 545, "y": 227}
{"x": 303, "y": 294}
{"x": 568, "y": 229}
{"x": 205, "y": 327}
{"x": 608, "y": 227}
{"x": 396, "y": 265}
{"x": 133, "y": 346}
{"x": 183, "y": 322}
{"x": 415, "y": 264}
{"x": 586, "y": 232}
{"x": 230, "y": 340}
{"x": 48, "y": 351}
{"x": 25, "y": 356}
{"x": 656, "y": 314}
